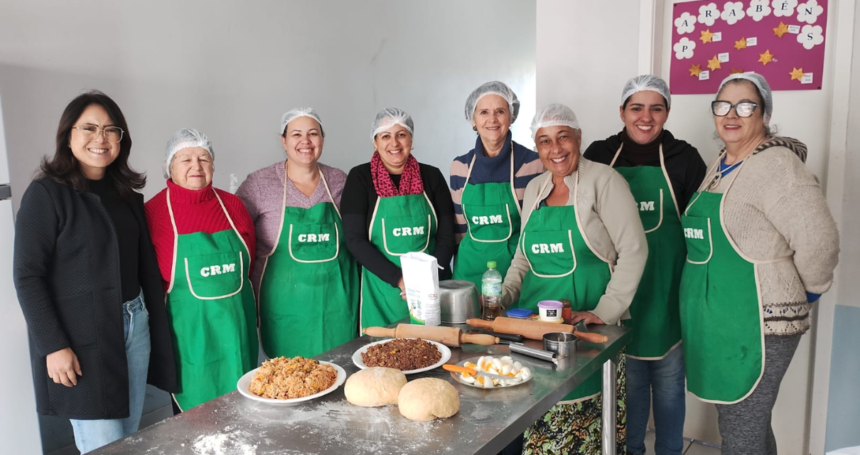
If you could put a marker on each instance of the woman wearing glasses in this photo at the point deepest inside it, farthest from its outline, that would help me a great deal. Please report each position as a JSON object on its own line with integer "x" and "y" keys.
{"x": 761, "y": 246}
{"x": 88, "y": 282}
{"x": 663, "y": 172}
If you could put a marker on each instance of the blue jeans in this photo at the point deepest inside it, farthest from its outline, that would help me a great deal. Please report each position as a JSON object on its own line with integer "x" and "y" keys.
{"x": 92, "y": 434}
{"x": 666, "y": 379}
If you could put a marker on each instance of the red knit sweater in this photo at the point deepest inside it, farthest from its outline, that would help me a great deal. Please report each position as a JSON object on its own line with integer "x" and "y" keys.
{"x": 194, "y": 211}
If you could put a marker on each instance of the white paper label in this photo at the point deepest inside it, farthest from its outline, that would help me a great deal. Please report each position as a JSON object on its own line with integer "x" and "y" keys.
{"x": 806, "y": 79}
{"x": 752, "y": 41}
{"x": 719, "y": 36}
{"x": 704, "y": 75}
{"x": 724, "y": 57}
{"x": 795, "y": 29}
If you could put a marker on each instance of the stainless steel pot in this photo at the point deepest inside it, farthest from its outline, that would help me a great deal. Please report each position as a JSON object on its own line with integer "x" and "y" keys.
{"x": 459, "y": 301}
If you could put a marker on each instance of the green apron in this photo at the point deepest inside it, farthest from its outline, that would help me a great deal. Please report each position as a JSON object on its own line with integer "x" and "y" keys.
{"x": 721, "y": 317}
{"x": 654, "y": 312}
{"x": 309, "y": 287}
{"x": 212, "y": 313}
{"x": 493, "y": 227}
{"x": 562, "y": 266}
{"x": 399, "y": 225}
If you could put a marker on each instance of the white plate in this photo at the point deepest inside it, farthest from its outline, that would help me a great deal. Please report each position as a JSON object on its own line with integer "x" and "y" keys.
{"x": 446, "y": 356}
{"x": 245, "y": 381}
{"x": 457, "y": 377}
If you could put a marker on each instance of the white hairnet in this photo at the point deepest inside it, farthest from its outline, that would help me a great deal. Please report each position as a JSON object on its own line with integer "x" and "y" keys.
{"x": 646, "y": 82}
{"x": 183, "y": 139}
{"x": 760, "y": 83}
{"x": 493, "y": 88}
{"x": 554, "y": 115}
{"x": 389, "y": 117}
{"x": 293, "y": 114}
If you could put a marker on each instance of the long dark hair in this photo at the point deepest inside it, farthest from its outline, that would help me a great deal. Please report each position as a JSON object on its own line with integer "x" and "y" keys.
{"x": 64, "y": 167}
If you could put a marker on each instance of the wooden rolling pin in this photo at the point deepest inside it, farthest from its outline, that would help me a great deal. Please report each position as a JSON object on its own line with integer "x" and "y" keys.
{"x": 534, "y": 330}
{"x": 449, "y": 336}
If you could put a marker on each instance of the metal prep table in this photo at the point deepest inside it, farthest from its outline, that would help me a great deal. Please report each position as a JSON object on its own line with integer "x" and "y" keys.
{"x": 487, "y": 421}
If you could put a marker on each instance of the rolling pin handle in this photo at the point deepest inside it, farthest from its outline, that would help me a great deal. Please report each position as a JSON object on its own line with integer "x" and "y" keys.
{"x": 591, "y": 337}
{"x": 379, "y": 332}
{"x": 480, "y": 323}
{"x": 479, "y": 338}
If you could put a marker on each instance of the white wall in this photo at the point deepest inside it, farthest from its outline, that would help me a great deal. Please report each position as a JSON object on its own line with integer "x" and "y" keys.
{"x": 232, "y": 68}
{"x": 586, "y": 51}
{"x": 19, "y": 427}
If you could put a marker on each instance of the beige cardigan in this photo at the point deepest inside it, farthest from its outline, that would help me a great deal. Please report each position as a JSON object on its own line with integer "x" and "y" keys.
{"x": 776, "y": 214}
{"x": 608, "y": 220}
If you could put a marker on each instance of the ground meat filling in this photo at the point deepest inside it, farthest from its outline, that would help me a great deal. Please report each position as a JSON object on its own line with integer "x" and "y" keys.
{"x": 402, "y": 354}
{"x": 282, "y": 378}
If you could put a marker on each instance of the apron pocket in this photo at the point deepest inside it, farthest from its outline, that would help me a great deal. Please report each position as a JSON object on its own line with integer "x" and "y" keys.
{"x": 401, "y": 235}
{"x": 697, "y": 233}
{"x": 651, "y": 211}
{"x": 489, "y": 223}
{"x": 314, "y": 243}
{"x": 215, "y": 276}
{"x": 549, "y": 254}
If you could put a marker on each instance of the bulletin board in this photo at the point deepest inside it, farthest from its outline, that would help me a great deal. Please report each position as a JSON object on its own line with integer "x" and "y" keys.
{"x": 783, "y": 40}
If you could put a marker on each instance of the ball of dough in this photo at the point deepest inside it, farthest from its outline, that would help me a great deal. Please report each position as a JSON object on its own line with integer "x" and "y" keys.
{"x": 374, "y": 386}
{"x": 427, "y": 399}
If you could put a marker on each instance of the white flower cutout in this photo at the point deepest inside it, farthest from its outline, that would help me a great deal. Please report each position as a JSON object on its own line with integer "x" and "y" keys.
{"x": 810, "y": 36}
{"x": 684, "y": 48}
{"x": 686, "y": 23}
{"x": 808, "y": 12}
{"x": 708, "y": 14}
{"x": 733, "y": 12}
{"x": 758, "y": 9}
{"x": 783, "y": 8}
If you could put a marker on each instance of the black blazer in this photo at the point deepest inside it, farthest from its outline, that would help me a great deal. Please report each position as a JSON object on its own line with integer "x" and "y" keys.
{"x": 66, "y": 270}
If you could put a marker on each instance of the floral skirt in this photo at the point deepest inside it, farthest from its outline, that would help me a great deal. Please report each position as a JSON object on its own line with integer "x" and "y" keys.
{"x": 569, "y": 429}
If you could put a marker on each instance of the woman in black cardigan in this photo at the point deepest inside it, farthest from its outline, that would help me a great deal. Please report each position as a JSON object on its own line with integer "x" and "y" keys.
{"x": 88, "y": 282}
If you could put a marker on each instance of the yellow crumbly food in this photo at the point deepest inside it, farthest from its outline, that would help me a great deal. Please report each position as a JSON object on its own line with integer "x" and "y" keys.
{"x": 282, "y": 378}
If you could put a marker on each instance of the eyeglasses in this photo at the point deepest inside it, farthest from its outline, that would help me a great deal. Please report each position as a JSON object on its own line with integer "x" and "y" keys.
{"x": 743, "y": 109}
{"x": 112, "y": 134}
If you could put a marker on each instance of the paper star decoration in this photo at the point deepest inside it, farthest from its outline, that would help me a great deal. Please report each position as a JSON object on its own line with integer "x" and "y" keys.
{"x": 695, "y": 70}
{"x": 737, "y": 70}
{"x": 707, "y": 36}
{"x": 742, "y": 44}
{"x": 781, "y": 30}
{"x": 796, "y": 74}
{"x": 765, "y": 58}
{"x": 714, "y": 64}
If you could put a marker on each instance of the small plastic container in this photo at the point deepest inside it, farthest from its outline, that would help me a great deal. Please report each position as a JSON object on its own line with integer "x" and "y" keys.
{"x": 550, "y": 310}
{"x": 519, "y": 313}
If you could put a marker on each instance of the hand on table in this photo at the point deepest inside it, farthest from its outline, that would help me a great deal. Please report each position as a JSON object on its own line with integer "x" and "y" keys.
{"x": 587, "y": 316}
{"x": 63, "y": 367}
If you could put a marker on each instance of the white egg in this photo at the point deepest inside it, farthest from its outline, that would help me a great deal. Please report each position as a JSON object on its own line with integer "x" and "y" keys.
{"x": 526, "y": 374}
{"x": 467, "y": 379}
{"x": 488, "y": 383}
{"x": 492, "y": 370}
{"x": 504, "y": 383}
{"x": 479, "y": 363}
{"x": 495, "y": 382}
{"x": 507, "y": 359}
{"x": 518, "y": 366}
{"x": 515, "y": 380}
{"x": 506, "y": 369}
{"x": 497, "y": 364}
